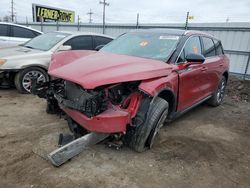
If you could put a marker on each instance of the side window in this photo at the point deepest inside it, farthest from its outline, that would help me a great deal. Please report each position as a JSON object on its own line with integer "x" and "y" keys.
{"x": 193, "y": 45}
{"x": 208, "y": 46}
{"x": 101, "y": 41}
{"x": 22, "y": 32}
{"x": 36, "y": 33}
{"x": 4, "y": 30}
{"x": 80, "y": 43}
{"x": 181, "y": 57}
{"x": 218, "y": 47}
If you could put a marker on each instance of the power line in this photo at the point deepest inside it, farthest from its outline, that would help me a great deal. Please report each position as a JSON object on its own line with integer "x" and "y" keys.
{"x": 90, "y": 16}
{"x": 103, "y": 16}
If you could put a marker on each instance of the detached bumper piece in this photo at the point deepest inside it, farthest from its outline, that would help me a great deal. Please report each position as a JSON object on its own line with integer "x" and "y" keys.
{"x": 70, "y": 150}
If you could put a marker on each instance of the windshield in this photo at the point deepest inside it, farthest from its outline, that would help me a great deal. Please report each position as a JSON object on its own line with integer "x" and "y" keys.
{"x": 157, "y": 46}
{"x": 46, "y": 41}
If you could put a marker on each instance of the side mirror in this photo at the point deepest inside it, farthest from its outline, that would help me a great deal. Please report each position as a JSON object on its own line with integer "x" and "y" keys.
{"x": 64, "y": 48}
{"x": 99, "y": 47}
{"x": 193, "y": 58}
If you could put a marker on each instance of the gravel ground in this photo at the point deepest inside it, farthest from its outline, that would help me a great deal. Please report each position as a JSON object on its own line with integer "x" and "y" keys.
{"x": 207, "y": 147}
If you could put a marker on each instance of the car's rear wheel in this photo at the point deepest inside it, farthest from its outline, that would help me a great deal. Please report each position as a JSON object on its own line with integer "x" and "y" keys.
{"x": 218, "y": 96}
{"x": 23, "y": 78}
{"x": 143, "y": 136}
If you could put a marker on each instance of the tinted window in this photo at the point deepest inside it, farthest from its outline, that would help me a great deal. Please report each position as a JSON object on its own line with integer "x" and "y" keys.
{"x": 208, "y": 45}
{"x": 101, "y": 41}
{"x": 192, "y": 45}
{"x": 80, "y": 43}
{"x": 218, "y": 47}
{"x": 36, "y": 33}
{"x": 3, "y": 30}
{"x": 22, "y": 32}
{"x": 181, "y": 58}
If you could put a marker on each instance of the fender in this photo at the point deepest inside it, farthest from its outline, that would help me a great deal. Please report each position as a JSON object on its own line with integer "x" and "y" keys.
{"x": 164, "y": 87}
{"x": 153, "y": 86}
{"x": 35, "y": 65}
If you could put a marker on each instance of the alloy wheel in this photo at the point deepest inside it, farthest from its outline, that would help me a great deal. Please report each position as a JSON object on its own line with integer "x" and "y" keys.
{"x": 26, "y": 81}
{"x": 221, "y": 91}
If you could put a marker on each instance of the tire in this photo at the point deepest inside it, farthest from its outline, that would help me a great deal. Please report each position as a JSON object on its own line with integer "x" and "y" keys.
{"x": 22, "y": 78}
{"x": 218, "y": 96}
{"x": 52, "y": 107}
{"x": 142, "y": 136}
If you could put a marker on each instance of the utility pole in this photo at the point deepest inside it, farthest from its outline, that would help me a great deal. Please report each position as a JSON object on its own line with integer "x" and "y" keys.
{"x": 103, "y": 17}
{"x": 78, "y": 23}
{"x": 186, "y": 25}
{"x": 90, "y": 16}
{"x": 137, "y": 21}
{"x": 12, "y": 10}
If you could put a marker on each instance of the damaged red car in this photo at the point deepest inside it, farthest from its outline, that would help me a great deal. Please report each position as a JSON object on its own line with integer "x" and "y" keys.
{"x": 137, "y": 82}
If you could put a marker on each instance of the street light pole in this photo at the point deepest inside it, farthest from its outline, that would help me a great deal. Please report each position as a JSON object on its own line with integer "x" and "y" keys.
{"x": 103, "y": 17}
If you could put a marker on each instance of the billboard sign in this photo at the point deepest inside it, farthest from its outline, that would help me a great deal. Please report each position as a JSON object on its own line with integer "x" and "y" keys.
{"x": 51, "y": 14}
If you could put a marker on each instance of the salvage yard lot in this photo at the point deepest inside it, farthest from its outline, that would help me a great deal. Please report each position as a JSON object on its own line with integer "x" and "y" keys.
{"x": 207, "y": 147}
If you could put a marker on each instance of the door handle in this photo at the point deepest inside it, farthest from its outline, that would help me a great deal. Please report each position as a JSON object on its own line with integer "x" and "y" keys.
{"x": 203, "y": 68}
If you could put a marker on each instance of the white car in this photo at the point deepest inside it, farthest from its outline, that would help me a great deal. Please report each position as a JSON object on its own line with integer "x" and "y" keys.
{"x": 13, "y": 34}
{"x": 19, "y": 63}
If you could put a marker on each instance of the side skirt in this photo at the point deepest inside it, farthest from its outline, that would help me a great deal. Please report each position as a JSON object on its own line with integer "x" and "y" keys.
{"x": 180, "y": 113}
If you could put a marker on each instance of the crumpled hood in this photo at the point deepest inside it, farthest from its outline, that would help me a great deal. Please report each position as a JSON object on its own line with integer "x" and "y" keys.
{"x": 104, "y": 68}
{"x": 17, "y": 52}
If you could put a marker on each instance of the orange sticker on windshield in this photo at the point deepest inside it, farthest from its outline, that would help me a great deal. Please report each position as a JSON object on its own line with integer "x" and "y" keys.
{"x": 143, "y": 43}
{"x": 195, "y": 49}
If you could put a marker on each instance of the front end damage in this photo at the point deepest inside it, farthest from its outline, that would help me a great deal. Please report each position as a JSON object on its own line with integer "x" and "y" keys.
{"x": 105, "y": 111}
{"x": 100, "y": 96}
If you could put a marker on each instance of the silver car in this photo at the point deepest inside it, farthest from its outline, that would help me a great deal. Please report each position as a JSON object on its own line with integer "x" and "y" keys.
{"x": 19, "y": 64}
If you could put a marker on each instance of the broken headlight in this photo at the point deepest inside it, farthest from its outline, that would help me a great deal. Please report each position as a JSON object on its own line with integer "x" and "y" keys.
{"x": 119, "y": 92}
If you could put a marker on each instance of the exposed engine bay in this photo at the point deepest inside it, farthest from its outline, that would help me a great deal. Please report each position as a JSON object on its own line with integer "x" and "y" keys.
{"x": 89, "y": 102}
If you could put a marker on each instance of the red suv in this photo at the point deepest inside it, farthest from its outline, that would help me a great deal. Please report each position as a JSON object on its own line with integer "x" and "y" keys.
{"x": 135, "y": 83}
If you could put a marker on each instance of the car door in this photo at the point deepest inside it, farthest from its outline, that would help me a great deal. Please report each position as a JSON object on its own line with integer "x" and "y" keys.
{"x": 212, "y": 65}
{"x": 99, "y": 40}
{"x": 20, "y": 35}
{"x": 80, "y": 43}
{"x": 4, "y": 35}
{"x": 191, "y": 78}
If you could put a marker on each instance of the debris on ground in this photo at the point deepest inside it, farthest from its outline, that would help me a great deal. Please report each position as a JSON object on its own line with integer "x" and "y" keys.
{"x": 238, "y": 89}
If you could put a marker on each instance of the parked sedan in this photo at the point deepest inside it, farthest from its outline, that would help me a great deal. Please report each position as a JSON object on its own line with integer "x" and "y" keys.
{"x": 13, "y": 34}
{"x": 19, "y": 64}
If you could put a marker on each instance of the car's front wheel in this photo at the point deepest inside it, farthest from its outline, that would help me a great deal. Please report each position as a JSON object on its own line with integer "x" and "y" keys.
{"x": 23, "y": 78}
{"x": 143, "y": 135}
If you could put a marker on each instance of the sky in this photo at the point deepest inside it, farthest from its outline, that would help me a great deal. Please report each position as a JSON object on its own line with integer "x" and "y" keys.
{"x": 150, "y": 11}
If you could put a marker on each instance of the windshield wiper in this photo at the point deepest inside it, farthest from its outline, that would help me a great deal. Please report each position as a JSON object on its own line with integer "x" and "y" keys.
{"x": 29, "y": 47}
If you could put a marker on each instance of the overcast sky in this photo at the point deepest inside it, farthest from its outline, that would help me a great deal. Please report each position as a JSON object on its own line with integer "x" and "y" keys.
{"x": 151, "y": 11}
